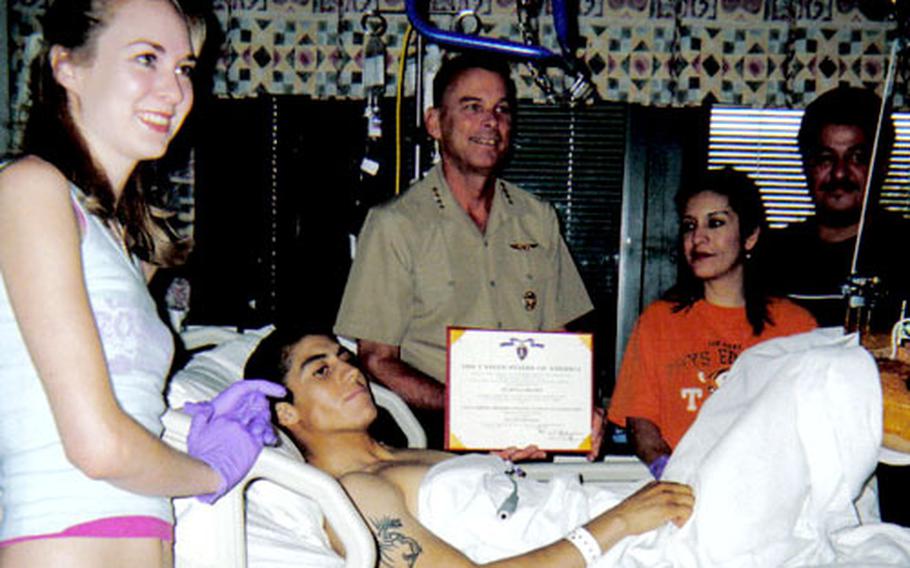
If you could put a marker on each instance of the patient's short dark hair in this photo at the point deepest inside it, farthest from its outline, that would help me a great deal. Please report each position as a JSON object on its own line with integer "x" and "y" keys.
{"x": 271, "y": 361}
{"x": 271, "y": 358}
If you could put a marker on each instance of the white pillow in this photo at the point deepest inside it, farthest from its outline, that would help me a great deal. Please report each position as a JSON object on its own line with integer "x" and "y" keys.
{"x": 210, "y": 372}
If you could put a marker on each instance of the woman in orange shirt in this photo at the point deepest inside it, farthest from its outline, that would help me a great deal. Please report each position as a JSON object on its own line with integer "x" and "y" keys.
{"x": 683, "y": 342}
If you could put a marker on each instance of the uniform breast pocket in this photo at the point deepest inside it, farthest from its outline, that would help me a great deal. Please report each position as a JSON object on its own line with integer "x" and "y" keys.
{"x": 531, "y": 276}
{"x": 434, "y": 284}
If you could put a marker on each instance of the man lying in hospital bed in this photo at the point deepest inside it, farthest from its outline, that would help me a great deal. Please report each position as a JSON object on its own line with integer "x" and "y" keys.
{"x": 781, "y": 500}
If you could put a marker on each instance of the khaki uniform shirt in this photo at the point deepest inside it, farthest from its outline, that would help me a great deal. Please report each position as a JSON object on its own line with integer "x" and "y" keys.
{"x": 422, "y": 264}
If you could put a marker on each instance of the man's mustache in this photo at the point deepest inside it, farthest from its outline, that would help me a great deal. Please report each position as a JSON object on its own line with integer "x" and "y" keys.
{"x": 846, "y": 186}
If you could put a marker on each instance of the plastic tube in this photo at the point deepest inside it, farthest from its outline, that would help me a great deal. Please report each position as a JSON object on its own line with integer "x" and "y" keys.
{"x": 465, "y": 41}
{"x": 562, "y": 26}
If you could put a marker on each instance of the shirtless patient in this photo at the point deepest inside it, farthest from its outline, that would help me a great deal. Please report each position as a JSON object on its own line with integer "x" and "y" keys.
{"x": 327, "y": 413}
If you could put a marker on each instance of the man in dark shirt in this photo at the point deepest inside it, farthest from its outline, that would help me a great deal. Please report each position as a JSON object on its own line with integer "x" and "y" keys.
{"x": 811, "y": 261}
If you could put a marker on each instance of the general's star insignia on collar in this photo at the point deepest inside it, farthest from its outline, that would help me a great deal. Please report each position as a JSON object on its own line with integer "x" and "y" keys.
{"x": 438, "y": 198}
{"x": 506, "y": 193}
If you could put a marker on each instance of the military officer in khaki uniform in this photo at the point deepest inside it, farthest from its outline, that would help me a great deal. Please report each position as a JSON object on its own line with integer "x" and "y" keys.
{"x": 460, "y": 247}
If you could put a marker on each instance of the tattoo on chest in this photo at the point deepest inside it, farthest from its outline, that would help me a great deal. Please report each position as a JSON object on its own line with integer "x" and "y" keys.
{"x": 395, "y": 547}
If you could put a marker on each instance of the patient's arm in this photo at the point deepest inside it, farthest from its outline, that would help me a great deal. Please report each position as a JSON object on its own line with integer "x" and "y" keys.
{"x": 383, "y": 361}
{"x": 647, "y": 440}
{"x": 404, "y": 542}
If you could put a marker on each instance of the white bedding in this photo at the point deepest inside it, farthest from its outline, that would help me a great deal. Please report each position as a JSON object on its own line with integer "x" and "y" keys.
{"x": 459, "y": 500}
{"x": 787, "y": 499}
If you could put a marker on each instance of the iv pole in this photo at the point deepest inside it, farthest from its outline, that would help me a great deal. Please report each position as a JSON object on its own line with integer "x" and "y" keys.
{"x": 860, "y": 290}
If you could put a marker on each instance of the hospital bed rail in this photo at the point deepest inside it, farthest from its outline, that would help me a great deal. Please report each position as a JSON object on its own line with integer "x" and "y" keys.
{"x": 296, "y": 476}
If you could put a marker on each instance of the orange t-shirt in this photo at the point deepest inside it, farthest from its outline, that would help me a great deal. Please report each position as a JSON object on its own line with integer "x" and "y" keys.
{"x": 672, "y": 359}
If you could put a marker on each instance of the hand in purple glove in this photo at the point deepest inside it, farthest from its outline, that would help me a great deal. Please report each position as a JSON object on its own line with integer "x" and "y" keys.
{"x": 244, "y": 402}
{"x": 228, "y": 433}
{"x": 657, "y": 466}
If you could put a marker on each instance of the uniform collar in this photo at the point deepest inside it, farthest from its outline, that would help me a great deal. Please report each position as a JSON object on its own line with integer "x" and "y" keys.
{"x": 503, "y": 202}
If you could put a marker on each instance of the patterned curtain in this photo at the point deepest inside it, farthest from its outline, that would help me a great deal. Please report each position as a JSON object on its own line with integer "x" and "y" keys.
{"x": 756, "y": 53}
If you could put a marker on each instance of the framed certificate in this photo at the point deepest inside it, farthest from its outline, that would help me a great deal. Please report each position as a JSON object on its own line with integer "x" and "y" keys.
{"x": 516, "y": 388}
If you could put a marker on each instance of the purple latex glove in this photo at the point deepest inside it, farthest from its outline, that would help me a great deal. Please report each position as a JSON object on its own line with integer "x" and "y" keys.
{"x": 657, "y": 466}
{"x": 246, "y": 403}
{"x": 228, "y": 433}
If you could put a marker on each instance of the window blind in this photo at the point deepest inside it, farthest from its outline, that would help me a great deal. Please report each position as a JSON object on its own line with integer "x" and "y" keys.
{"x": 762, "y": 142}
{"x": 573, "y": 158}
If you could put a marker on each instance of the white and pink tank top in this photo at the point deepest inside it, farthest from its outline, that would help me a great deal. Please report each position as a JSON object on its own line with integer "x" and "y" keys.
{"x": 41, "y": 491}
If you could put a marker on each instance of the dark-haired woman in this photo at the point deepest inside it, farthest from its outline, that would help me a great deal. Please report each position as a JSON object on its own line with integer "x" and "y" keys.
{"x": 683, "y": 342}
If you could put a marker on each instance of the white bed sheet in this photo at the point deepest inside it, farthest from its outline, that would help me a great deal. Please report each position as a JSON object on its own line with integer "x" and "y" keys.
{"x": 787, "y": 499}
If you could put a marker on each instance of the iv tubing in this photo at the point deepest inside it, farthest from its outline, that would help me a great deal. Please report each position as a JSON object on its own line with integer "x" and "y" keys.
{"x": 886, "y": 95}
{"x": 399, "y": 95}
{"x": 562, "y": 26}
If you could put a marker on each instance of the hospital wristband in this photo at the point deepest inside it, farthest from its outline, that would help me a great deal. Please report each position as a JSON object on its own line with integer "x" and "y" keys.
{"x": 586, "y": 544}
